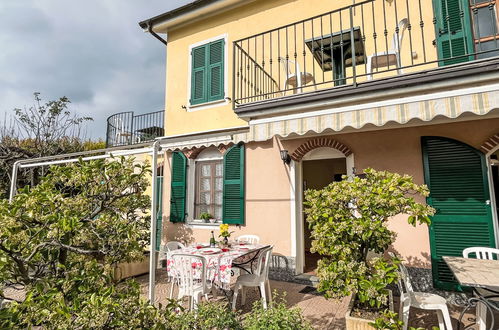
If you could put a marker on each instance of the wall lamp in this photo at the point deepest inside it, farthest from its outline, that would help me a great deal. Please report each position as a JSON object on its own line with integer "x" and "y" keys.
{"x": 285, "y": 157}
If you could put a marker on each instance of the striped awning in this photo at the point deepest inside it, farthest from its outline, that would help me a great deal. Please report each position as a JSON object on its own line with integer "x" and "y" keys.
{"x": 379, "y": 114}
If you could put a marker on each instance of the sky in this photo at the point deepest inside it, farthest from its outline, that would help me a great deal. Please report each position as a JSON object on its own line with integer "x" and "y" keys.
{"x": 91, "y": 51}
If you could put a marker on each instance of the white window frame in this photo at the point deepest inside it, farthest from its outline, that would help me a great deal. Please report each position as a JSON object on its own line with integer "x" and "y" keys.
{"x": 212, "y": 104}
{"x": 209, "y": 155}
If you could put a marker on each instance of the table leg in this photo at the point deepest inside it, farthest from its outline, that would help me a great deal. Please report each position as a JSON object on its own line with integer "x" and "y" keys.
{"x": 484, "y": 307}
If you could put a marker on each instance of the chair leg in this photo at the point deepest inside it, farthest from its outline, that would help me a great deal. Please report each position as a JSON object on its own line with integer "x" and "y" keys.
{"x": 369, "y": 68}
{"x": 234, "y": 297}
{"x": 441, "y": 324}
{"x": 171, "y": 288}
{"x": 269, "y": 292}
{"x": 243, "y": 295}
{"x": 481, "y": 316}
{"x": 262, "y": 291}
{"x": 405, "y": 315}
{"x": 444, "y": 311}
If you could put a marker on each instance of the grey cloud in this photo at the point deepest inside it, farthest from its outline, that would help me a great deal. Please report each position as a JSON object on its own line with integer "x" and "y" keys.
{"x": 91, "y": 51}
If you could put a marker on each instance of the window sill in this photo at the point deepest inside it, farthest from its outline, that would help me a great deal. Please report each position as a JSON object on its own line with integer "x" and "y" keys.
{"x": 203, "y": 225}
{"x": 206, "y": 105}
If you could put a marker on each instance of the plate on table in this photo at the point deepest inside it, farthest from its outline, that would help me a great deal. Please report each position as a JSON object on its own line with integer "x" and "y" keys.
{"x": 210, "y": 250}
{"x": 246, "y": 247}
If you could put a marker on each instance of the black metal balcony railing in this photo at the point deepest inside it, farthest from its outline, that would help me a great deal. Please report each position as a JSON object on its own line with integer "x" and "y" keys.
{"x": 369, "y": 40}
{"x": 125, "y": 128}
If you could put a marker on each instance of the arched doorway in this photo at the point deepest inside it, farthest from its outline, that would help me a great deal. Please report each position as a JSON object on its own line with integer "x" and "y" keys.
{"x": 318, "y": 162}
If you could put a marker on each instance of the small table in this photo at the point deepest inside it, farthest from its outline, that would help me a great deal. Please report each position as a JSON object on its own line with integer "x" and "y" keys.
{"x": 334, "y": 52}
{"x": 476, "y": 273}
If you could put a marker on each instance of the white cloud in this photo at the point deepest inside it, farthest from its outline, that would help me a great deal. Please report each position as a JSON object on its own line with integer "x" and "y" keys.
{"x": 91, "y": 51}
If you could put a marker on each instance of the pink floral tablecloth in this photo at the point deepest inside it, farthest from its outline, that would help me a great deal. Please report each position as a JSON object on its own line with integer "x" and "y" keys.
{"x": 218, "y": 265}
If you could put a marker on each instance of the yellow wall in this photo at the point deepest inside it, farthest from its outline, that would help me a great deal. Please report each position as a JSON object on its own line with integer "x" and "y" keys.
{"x": 264, "y": 15}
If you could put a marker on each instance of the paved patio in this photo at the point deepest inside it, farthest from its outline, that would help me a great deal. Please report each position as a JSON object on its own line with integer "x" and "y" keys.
{"x": 322, "y": 313}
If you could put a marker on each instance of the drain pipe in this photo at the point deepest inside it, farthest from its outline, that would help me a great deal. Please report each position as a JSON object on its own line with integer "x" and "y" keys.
{"x": 154, "y": 34}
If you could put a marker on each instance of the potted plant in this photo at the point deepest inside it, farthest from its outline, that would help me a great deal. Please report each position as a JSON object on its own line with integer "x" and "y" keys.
{"x": 205, "y": 216}
{"x": 348, "y": 221}
{"x": 225, "y": 233}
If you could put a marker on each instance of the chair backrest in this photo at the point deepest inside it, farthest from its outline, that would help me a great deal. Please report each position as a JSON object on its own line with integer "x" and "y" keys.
{"x": 264, "y": 259}
{"x": 482, "y": 253}
{"x": 398, "y": 37}
{"x": 190, "y": 272}
{"x": 251, "y": 239}
{"x": 174, "y": 245}
{"x": 404, "y": 282}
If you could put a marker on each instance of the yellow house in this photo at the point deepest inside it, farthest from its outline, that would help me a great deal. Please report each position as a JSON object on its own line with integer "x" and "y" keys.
{"x": 266, "y": 98}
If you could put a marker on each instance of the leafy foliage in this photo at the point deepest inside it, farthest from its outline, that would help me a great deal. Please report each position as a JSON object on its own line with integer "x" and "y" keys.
{"x": 277, "y": 317}
{"x": 37, "y": 131}
{"x": 62, "y": 239}
{"x": 209, "y": 315}
{"x": 390, "y": 321}
{"x": 349, "y": 219}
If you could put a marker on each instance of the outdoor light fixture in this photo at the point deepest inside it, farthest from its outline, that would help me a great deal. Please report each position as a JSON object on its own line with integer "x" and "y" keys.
{"x": 285, "y": 157}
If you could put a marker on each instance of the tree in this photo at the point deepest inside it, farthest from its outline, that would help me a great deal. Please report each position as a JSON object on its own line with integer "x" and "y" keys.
{"x": 349, "y": 219}
{"x": 61, "y": 240}
{"x": 37, "y": 131}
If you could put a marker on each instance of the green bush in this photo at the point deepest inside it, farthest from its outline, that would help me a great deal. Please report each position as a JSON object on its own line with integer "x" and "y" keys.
{"x": 277, "y": 317}
{"x": 349, "y": 219}
{"x": 210, "y": 316}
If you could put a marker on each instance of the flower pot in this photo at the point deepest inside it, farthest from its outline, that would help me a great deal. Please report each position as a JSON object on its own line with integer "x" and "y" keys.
{"x": 213, "y": 220}
{"x": 357, "y": 323}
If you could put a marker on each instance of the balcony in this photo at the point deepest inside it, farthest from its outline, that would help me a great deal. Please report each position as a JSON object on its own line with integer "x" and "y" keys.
{"x": 370, "y": 40}
{"x": 125, "y": 128}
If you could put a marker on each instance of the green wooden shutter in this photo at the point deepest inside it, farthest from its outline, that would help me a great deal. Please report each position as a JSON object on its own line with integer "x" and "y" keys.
{"x": 453, "y": 29}
{"x": 216, "y": 71}
{"x": 457, "y": 177}
{"x": 233, "y": 188}
{"x": 178, "y": 185}
{"x": 159, "y": 215}
{"x": 199, "y": 75}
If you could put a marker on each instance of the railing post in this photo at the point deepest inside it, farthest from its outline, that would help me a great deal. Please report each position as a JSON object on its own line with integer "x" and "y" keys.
{"x": 233, "y": 75}
{"x": 352, "y": 42}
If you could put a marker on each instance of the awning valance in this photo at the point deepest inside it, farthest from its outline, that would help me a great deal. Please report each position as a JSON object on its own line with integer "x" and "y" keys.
{"x": 423, "y": 108}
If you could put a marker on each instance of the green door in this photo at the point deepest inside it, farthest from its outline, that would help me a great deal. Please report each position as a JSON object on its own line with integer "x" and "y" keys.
{"x": 453, "y": 31}
{"x": 457, "y": 177}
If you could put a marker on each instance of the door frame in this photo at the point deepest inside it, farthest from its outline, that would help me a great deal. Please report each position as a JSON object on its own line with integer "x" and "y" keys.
{"x": 492, "y": 194}
{"x": 296, "y": 194}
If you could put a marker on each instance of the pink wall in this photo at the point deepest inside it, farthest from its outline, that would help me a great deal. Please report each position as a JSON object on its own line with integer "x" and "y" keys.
{"x": 268, "y": 183}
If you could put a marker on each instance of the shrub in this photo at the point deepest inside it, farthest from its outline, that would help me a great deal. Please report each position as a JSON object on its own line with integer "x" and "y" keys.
{"x": 277, "y": 317}
{"x": 348, "y": 219}
{"x": 209, "y": 315}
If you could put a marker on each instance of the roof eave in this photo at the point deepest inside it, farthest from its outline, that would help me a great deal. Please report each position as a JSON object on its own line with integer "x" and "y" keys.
{"x": 188, "y": 14}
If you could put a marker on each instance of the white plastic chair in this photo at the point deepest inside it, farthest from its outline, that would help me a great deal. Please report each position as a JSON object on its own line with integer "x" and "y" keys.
{"x": 258, "y": 279}
{"x": 168, "y": 247}
{"x": 481, "y": 253}
{"x": 421, "y": 300}
{"x": 296, "y": 79}
{"x": 121, "y": 132}
{"x": 250, "y": 239}
{"x": 191, "y": 275}
{"x": 391, "y": 57}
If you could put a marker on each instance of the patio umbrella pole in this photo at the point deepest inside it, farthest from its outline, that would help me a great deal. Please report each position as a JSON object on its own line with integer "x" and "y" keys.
{"x": 152, "y": 249}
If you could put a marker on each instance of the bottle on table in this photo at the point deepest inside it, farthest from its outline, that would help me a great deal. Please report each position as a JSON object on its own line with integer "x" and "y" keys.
{"x": 213, "y": 243}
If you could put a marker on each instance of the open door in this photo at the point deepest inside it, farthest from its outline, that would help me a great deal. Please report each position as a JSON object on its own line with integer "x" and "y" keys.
{"x": 456, "y": 174}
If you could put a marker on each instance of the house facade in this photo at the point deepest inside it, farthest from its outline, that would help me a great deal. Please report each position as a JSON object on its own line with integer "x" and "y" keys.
{"x": 267, "y": 98}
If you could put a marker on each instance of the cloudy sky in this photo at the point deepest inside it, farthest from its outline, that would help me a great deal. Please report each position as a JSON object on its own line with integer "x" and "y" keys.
{"x": 91, "y": 51}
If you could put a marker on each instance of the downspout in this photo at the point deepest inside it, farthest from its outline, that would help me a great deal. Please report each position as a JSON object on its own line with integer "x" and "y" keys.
{"x": 154, "y": 34}
{"x": 154, "y": 210}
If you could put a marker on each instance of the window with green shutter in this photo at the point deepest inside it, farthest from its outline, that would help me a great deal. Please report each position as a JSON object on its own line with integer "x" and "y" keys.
{"x": 233, "y": 186}
{"x": 178, "y": 187}
{"x": 207, "y": 72}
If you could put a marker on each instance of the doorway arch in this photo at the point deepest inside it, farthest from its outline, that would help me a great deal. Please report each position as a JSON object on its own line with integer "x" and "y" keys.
{"x": 313, "y": 150}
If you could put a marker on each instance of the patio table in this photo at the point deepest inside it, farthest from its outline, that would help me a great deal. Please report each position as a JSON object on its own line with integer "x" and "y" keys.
{"x": 219, "y": 266}
{"x": 477, "y": 273}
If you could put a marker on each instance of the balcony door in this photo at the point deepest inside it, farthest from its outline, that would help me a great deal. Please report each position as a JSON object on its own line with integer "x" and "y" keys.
{"x": 465, "y": 28}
